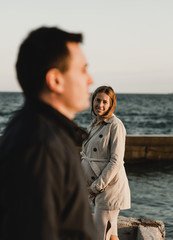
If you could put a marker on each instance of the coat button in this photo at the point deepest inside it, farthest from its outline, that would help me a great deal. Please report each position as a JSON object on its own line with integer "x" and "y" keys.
{"x": 93, "y": 178}
{"x": 100, "y": 136}
{"x": 95, "y": 149}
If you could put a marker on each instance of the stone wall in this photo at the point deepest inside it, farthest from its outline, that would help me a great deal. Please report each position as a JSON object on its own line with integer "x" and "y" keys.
{"x": 148, "y": 148}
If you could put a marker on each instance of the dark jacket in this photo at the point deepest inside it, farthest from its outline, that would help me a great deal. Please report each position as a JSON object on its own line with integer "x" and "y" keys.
{"x": 42, "y": 190}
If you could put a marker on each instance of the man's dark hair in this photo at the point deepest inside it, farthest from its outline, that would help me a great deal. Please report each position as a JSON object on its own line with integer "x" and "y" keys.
{"x": 43, "y": 49}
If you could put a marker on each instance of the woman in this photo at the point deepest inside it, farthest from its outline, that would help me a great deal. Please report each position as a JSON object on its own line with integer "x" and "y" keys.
{"x": 102, "y": 161}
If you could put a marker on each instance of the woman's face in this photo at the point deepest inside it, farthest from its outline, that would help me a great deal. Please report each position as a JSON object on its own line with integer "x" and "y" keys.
{"x": 101, "y": 104}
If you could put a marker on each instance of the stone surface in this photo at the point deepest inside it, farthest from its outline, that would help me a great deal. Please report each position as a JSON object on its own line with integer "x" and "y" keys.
{"x": 149, "y": 233}
{"x": 140, "y": 229}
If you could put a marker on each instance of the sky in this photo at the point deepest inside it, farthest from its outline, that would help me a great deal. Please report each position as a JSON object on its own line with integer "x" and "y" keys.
{"x": 128, "y": 43}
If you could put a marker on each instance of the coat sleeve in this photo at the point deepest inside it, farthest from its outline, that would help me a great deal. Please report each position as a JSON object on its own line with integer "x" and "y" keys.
{"x": 117, "y": 149}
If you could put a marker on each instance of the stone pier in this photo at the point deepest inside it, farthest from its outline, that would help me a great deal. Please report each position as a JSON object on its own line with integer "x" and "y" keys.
{"x": 148, "y": 148}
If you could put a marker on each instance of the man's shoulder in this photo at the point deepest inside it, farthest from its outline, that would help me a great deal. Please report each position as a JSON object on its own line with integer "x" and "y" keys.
{"x": 33, "y": 128}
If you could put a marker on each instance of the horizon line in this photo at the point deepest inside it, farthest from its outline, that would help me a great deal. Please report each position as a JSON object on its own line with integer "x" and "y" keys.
{"x": 115, "y": 92}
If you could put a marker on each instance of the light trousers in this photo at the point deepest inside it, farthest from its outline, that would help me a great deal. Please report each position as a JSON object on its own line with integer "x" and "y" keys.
{"x": 106, "y": 223}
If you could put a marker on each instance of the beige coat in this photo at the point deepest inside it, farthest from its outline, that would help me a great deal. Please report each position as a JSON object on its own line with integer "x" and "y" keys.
{"x": 102, "y": 160}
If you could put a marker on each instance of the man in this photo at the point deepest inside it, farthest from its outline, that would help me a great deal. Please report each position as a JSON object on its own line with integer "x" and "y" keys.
{"x": 42, "y": 190}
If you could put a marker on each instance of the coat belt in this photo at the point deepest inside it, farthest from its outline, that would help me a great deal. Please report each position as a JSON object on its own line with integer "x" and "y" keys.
{"x": 93, "y": 162}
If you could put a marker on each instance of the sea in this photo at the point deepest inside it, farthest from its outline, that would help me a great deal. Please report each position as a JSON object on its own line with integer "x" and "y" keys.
{"x": 142, "y": 114}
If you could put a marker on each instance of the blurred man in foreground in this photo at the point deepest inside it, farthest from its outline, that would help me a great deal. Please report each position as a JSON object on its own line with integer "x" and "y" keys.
{"x": 42, "y": 191}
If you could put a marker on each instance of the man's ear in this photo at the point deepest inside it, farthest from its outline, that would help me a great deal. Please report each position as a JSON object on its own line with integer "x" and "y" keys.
{"x": 55, "y": 80}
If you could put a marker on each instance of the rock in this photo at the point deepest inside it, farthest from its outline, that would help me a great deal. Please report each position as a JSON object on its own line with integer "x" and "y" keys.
{"x": 140, "y": 229}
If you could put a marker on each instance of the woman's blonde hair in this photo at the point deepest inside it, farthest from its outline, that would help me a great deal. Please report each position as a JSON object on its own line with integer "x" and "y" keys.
{"x": 110, "y": 92}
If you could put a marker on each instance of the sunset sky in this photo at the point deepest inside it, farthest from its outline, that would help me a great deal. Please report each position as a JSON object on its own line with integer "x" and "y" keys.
{"x": 128, "y": 43}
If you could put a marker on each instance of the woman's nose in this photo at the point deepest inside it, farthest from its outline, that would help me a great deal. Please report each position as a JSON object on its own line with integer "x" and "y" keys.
{"x": 100, "y": 104}
{"x": 90, "y": 80}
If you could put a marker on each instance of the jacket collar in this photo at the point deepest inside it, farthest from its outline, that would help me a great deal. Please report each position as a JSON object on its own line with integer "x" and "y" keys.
{"x": 110, "y": 120}
{"x": 71, "y": 128}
